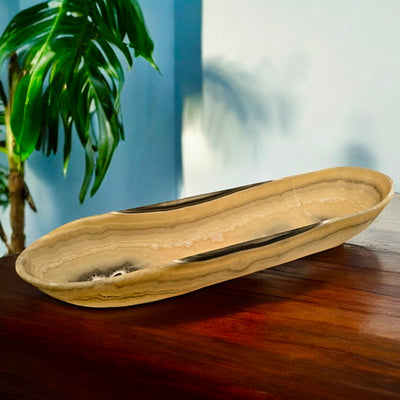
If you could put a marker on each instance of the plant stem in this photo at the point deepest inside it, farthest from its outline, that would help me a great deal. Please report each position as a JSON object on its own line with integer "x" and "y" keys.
{"x": 16, "y": 187}
{"x": 16, "y": 180}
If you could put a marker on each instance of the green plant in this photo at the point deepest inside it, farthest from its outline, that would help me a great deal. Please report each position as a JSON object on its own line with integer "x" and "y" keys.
{"x": 65, "y": 74}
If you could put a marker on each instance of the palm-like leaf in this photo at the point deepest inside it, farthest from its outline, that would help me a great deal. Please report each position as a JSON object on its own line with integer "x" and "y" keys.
{"x": 4, "y": 195}
{"x": 67, "y": 50}
{"x": 3, "y": 101}
{"x": 2, "y": 117}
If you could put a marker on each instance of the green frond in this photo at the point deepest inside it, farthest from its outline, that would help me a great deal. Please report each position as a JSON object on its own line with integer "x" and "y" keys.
{"x": 69, "y": 52}
{"x": 4, "y": 194}
{"x": 3, "y": 100}
{"x": 2, "y": 115}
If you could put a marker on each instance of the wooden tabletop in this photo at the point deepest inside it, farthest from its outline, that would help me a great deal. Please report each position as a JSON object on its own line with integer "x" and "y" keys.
{"x": 323, "y": 327}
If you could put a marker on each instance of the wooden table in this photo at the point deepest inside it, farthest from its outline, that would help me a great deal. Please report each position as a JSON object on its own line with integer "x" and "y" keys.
{"x": 323, "y": 327}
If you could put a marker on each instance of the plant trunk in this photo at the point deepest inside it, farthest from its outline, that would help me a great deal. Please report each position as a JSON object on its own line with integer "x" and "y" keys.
{"x": 16, "y": 187}
{"x": 16, "y": 180}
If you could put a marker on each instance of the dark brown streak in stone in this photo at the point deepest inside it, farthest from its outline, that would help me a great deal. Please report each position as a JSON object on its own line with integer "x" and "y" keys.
{"x": 251, "y": 244}
{"x": 189, "y": 201}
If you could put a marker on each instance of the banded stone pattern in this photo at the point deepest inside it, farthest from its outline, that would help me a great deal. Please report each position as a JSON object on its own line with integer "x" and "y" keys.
{"x": 159, "y": 251}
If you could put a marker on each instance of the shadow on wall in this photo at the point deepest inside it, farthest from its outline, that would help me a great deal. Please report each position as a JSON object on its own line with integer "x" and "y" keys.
{"x": 229, "y": 128}
{"x": 188, "y": 64}
{"x": 233, "y": 105}
{"x": 360, "y": 129}
{"x": 359, "y": 154}
{"x": 237, "y": 112}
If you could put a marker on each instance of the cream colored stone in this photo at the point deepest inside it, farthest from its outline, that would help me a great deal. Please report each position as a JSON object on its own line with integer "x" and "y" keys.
{"x": 155, "y": 252}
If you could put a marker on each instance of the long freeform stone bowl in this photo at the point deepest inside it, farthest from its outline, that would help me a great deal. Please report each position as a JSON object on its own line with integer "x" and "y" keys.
{"x": 168, "y": 249}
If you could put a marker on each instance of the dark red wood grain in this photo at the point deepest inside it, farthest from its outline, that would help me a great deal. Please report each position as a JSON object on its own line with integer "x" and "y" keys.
{"x": 323, "y": 327}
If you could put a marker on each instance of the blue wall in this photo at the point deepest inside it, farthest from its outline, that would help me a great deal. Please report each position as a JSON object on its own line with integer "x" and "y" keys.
{"x": 147, "y": 166}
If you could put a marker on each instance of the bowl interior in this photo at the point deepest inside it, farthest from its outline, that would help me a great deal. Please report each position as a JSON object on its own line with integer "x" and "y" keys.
{"x": 115, "y": 244}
